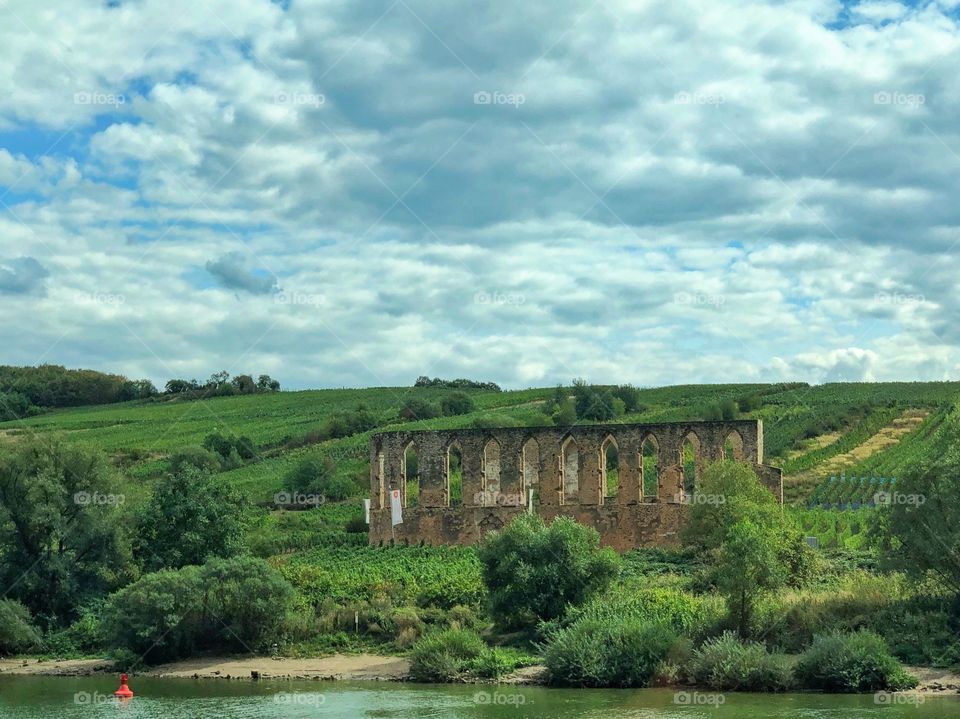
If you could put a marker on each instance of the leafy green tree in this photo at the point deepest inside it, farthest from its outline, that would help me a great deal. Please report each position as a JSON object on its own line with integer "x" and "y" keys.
{"x": 923, "y": 515}
{"x": 318, "y": 476}
{"x": 566, "y": 414}
{"x": 593, "y": 403}
{"x": 61, "y": 540}
{"x": 198, "y": 458}
{"x": 414, "y": 408}
{"x": 17, "y": 633}
{"x": 534, "y": 572}
{"x": 456, "y": 403}
{"x": 191, "y": 516}
{"x": 728, "y": 409}
{"x": 245, "y": 384}
{"x": 226, "y": 605}
{"x": 749, "y": 566}
{"x": 630, "y": 396}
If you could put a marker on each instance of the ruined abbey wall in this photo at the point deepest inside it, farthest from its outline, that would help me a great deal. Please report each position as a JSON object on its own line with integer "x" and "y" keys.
{"x": 559, "y": 471}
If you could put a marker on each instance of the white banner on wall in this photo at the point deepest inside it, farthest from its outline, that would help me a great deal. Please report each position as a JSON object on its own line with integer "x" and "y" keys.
{"x": 396, "y": 508}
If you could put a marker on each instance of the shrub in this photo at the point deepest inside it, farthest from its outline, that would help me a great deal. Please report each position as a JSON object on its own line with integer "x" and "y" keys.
{"x": 226, "y": 605}
{"x": 17, "y": 633}
{"x": 534, "y": 572}
{"x": 195, "y": 457}
{"x": 497, "y": 662}
{"x": 728, "y": 663}
{"x": 621, "y": 652}
{"x": 456, "y": 403}
{"x": 191, "y": 516}
{"x": 414, "y": 409}
{"x": 858, "y": 662}
{"x": 317, "y": 476}
{"x": 443, "y": 656}
{"x": 355, "y": 525}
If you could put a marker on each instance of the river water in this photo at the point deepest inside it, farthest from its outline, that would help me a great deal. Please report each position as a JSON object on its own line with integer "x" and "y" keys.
{"x": 91, "y": 698}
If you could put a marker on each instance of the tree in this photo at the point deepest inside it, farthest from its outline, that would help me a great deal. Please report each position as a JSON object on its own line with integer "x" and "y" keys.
{"x": 179, "y": 386}
{"x": 244, "y": 384}
{"x": 728, "y": 409}
{"x": 594, "y": 403}
{"x": 534, "y": 572}
{"x": 730, "y": 495}
{"x": 61, "y": 541}
{"x": 456, "y": 403}
{"x": 266, "y": 383}
{"x": 191, "y": 516}
{"x": 318, "y": 476}
{"x": 226, "y": 605}
{"x": 730, "y": 492}
{"x": 923, "y": 514}
{"x": 630, "y": 396}
{"x": 749, "y": 566}
{"x": 566, "y": 414}
{"x": 414, "y": 409}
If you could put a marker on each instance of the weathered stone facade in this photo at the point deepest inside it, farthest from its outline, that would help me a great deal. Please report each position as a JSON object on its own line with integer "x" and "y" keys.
{"x": 558, "y": 472}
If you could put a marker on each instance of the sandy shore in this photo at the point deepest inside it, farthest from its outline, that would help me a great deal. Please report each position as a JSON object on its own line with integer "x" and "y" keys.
{"x": 338, "y": 666}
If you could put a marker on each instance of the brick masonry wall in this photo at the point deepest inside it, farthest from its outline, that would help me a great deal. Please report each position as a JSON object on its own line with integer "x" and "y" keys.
{"x": 565, "y": 469}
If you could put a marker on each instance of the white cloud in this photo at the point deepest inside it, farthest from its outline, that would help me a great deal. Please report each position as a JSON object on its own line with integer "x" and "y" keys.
{"x": 689, "y": 191}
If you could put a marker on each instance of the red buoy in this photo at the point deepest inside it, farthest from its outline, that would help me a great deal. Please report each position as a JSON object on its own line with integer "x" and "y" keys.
{"x": 124, "y": 691}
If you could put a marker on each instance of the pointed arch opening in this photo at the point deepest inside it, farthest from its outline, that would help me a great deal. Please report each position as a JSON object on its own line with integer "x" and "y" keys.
{"x": 491, "y": 471}
{"x": 650, "y": 467}
{"x": 530, "y": 469}
{"x": 609, "y": 469}
{"x": 570, "y": 471}
{"x": 690, "y": 463}
{"x": 410, "y": 470}
{"x": 733, "y": 447}
{"x": 453, "y": 472}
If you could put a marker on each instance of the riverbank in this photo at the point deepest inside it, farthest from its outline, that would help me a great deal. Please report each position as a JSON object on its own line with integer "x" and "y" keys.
{"x": 338, "y": 667}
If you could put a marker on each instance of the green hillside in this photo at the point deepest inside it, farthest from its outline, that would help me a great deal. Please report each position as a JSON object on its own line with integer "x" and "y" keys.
{"x": 804, "y": 426}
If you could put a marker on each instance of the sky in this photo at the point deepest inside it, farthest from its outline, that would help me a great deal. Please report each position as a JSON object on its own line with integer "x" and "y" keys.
{"x": 358, "y": 193}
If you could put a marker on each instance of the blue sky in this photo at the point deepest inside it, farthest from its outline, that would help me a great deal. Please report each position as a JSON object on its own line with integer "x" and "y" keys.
{"x": 355, "y": 194}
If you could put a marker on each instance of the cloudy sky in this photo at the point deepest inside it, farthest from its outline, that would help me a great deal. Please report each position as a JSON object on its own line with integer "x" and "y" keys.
{"x": 357, "y": 193}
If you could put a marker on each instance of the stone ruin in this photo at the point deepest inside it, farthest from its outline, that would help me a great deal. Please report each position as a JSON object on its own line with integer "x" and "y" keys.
{"x": 554, "y": 472}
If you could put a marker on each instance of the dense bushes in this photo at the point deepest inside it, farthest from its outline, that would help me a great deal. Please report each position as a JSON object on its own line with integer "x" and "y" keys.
{"x": 318, "y": 476}
{"x": 615, "y": 652}
{"x": 859, "y": 662}
{"x": 534, "y": 572}
{"x": 443, "y": 656}
{"x": 226, "y": 605}
{"x": 190, "y": 517}
{"x": 17, "y": 633}
{"x": 728, "y": 663}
